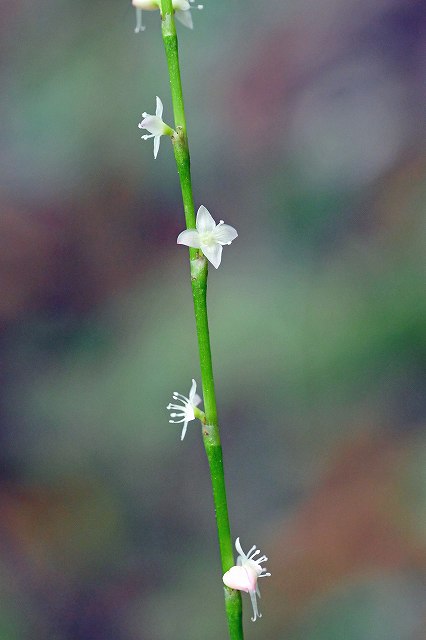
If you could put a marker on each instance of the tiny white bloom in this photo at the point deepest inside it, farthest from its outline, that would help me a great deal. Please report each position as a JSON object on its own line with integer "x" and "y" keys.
{"x": 208, "y": 236}
{"x": 245, "y": 574}
{"x": 181, "y": 8}
{"x": 155, "y": 126}
{"x": 186, "y": 408}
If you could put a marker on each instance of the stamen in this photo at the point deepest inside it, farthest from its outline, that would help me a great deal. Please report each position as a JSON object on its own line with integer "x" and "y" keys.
{"x": 179, "y": 396}
{"x": 251, "y": 551}
{"x": 256, "y": 613}
{"x": 139, "y": 25}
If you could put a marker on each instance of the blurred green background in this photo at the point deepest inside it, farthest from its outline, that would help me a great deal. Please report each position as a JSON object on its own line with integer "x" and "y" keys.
{"x": 307, "y": 133}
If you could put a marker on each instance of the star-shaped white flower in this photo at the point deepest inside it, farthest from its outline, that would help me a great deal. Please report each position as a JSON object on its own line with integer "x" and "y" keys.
{"x": 186, "y": 409}
{"x": 208, "y": 236}
{"x": 155, "y": 126}
{"x": 244, "y": 575}
{"x": 181, "y": 7}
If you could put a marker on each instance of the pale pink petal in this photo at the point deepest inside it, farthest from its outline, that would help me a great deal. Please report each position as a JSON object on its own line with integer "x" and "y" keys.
{"x": 205, "y": 222}
{"x": 237, "y": 578}
{"x": 196, "y": 400}
{"x": 213, "y": 254}
{"x": 225, "y": 234}
{"x": 190, "y": 238}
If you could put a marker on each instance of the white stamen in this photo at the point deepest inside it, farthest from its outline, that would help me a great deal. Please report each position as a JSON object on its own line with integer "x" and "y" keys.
{"x": 180, "y": 397}
{"x": 139, "y": 25}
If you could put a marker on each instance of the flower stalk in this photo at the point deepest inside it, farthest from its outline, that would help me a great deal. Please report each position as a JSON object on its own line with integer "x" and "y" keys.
{"x": 199, "y": 272}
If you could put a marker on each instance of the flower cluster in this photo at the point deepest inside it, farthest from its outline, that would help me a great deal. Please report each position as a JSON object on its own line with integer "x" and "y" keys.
{"x": 210, "y": 238}
{"x": 207, "y": 235}
{"x": 245, "y": 574}
{"x": 181, "y": 9}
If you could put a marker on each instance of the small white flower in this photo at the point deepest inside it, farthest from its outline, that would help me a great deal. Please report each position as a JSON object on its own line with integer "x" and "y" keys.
{"x": 208, "y": 236}
{"x": 186, "y": 408}
{"x": 245, "y": 574}
{"x": 155, "y": 126}
{"x": 181, "y": 8}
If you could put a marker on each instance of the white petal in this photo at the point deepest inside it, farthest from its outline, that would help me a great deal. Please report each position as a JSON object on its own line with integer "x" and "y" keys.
{"x": 156, "y": 145}
{"x": 185, "y": 426}
{"x": 185, "y": 18}
{"x": 225, "y": 234}
{"x": 154, "y": 125}
{"x": 189, "y": 413}
{"x": 159, "y": 108}
{"x": 214, "y": 254}
{"x": 239, "y": 548}
{"x": 190, "y": 238}
{"x": 192, "y": 391}
{"x": 205, "y": 222}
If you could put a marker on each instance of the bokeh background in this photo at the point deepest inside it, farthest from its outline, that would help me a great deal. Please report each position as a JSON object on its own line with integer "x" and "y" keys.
{"x": 307, "y": 132}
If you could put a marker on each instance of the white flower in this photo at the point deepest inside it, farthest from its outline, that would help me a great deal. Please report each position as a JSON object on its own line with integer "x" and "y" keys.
{"x": 186, "y": 408}
{"x": 245, "y": 574}
{"x": 155, "y": 126}
{"x": 208, "y": 236}
{"x": 181, "y": 8}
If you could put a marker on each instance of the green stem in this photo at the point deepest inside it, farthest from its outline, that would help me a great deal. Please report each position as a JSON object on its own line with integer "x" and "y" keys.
{"x": 199, "y": 271}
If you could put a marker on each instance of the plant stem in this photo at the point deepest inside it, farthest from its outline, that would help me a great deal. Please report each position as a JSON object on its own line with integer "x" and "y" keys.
{"x": 199, "y": 271}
